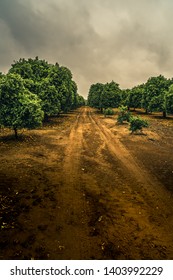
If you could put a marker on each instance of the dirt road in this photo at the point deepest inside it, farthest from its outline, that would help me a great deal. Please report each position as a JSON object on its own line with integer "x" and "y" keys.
{"x": 85, "y": 188}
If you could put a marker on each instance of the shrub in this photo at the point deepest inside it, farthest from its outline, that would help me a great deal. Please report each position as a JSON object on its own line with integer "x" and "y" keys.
{"x": 123, "y": 115}
{"x": 108, "y": 112}
{"x": 137, "y": 123}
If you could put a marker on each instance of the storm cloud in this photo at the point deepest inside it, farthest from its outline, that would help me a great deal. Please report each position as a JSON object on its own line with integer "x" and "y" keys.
{"x": 127, "y": 41}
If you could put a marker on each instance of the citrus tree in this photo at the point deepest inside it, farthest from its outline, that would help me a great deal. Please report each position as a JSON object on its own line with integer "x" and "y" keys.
{"x": 19, "y": 108}
{"x": 169, "y": 100}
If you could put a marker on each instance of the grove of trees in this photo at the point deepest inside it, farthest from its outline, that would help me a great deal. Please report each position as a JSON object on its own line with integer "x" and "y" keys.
{"x": 34, "y": 90}
{"x": 103, "y": 96}
{"x": 156, "y": 95}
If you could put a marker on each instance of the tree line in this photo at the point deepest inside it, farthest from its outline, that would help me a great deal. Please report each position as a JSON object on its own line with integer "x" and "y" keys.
{"x": 156, "y": 95}
{"x": 34, "y": 90}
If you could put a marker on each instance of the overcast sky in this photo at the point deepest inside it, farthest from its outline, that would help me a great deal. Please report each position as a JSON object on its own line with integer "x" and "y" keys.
{"x": 127, "y": 41}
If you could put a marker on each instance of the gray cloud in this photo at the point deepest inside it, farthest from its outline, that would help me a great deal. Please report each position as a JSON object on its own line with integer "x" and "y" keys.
{"x": 126, "y": 41}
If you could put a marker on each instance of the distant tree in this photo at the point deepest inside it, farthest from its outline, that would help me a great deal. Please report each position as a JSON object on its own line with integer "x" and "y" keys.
{"x": 19, "y": 108}
{"x": 108, "y": 112}
{"x": 169, "y": 100}
{"x": 125, "y": 96}
{"x": 94, "y": 96}
{"x": 135, "y": 97}
{"x": 158, "y": 104}
{"x": 110, "y": 96}
{"x": 80, "y": 101}
{"x": 74, "y": 95}
{"x": 154, "y": 94}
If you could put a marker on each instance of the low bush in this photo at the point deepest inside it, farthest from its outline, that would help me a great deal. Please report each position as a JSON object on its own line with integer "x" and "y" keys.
{"x": 137, "y": 124}
{"x": 123, "y": 115}
{"x": 108, "y": 112}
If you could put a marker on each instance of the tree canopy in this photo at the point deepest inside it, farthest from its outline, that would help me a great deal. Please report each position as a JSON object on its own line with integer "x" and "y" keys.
{"x": 154, "y": 96}
{"x": 104, "y": 96}
{"x": 33, "y": 89}
{"x": 52, "y": 83}
{"x": 19, "y": 107}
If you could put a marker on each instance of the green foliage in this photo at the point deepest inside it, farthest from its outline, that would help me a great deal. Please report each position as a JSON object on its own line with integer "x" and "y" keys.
{"x": 80, "y": 100}
{"x": 123, "y": 114}
{"x": 66, "y": 89}
{"x": 50, "y": 102}
{"x": 136, "y": 123}
{"x": 111, "y": 95}
{"x": 135, "y": 97}
{"x": 104, "y": 96}
{"x": 94, "y": 96}
{"x": 169, "y": 100}
{"x": 19, "y": 108}
{"x": 125, "y": 93}
{"x": 34, "y": 89}
{"x": 53, "y": 84}
{"x": 157, "y": 103}
{"x": 108, "y": 112}
{"x": 34, "y": 69}
{"x": 154, "y": 94}
{"x": 1, "y": 75}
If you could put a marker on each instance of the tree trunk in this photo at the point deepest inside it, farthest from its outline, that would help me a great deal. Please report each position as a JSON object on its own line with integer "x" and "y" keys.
{"x": 164, "y": 114}
{"x": 15, "y": 132}
{"x": 46, "y": 117}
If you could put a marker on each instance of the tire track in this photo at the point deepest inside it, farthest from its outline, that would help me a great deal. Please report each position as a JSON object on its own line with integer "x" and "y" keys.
{"x": 73, "y": 219}
{"x": 116, "y": 147}
{"x": 99, "y": 209}
{"x": 148, "y": 184}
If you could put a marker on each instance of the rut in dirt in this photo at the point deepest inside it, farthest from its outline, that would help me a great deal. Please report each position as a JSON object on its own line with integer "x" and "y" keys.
{"x": 73, "y": 215}
{"x": 116, "y": 195}
{"x": 85, "y": 196}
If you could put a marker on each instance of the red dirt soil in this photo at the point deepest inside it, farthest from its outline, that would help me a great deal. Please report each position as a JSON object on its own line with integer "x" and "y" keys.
{"x": 83, "y": 187}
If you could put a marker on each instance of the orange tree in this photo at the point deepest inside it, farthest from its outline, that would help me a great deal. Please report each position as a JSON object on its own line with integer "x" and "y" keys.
{"x": 19, "y": 108}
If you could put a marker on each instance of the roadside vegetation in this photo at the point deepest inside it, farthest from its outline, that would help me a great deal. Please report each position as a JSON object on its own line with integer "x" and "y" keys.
{"x": 123, "y": 115}
{"x": 156, "y": 95}
{"x": 34, "y": 90}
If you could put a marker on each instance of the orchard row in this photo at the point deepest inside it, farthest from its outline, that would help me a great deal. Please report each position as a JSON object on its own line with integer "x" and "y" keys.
{"x": 34, "y": 90}
{"x": 156, "y": 95}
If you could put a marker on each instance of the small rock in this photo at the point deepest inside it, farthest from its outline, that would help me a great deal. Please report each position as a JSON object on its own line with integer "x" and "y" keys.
{"x": 100, "y": 218}
{"x": 61, "y": 247}
{"x": 103, "y": 246}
